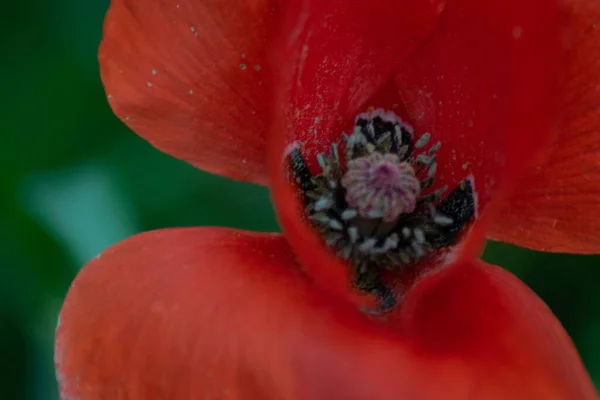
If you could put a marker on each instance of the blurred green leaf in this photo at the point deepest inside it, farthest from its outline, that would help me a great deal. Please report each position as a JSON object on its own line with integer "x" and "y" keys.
{"x": 82, "y": 207}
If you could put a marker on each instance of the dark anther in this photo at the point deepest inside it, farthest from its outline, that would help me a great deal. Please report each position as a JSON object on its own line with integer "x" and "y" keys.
{"x": 459, "y": 205}
{"x": 372, "y": 130}
{"x": 300, "y": 170}
{"x": 387, "y": 300}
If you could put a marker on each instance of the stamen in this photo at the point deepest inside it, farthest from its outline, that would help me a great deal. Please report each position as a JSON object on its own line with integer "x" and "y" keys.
{"x": 423, "y": 141}
{"x": 349, "y": 214}
{"x": 379, "y": 211}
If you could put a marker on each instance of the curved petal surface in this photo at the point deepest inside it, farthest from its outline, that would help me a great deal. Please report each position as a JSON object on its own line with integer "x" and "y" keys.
{"x": 213, "y": 313}
{"x": 191, "y": 78}
{"x": 332, "y": 58}
{"x": 556, "y": 207}
{"x": 482, "y": 78}
{"x": 484, "y": 85}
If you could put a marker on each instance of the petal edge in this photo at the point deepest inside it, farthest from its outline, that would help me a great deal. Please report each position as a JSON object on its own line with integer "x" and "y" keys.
{"x": 555, "y": 207}
{"x": 191, "y": 78}
{"x": 215, "y": 313}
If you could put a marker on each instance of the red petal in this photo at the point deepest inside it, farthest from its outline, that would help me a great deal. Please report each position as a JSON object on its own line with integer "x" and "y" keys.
{"x": 504, "y": 336}
{"x": 215, "y": 313}
{"x": 556, "y": 209}
{"x": 332, "y": 57}
{"x": 484, "y": 85}
{"x": 191, "y": 78}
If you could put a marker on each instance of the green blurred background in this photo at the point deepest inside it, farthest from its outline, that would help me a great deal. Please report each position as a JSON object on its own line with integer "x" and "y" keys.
{"x": 74, "y": 180}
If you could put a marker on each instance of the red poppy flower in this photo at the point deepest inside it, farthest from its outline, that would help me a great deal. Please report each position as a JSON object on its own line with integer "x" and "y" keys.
{"x": 374, "y": 291}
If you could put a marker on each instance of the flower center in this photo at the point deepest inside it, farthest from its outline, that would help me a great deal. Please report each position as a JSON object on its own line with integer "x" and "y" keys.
{"x": 380, "y": 186}
{"x": 376, "y": 207}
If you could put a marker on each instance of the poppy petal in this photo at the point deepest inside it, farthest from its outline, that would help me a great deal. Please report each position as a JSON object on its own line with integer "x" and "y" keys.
{"x": 191, "y": 78}
{"x": 217, "y": 313}
{"x": 488, "y": 319}
{"x": 482, "y": 84}
{"x": 332, "y": 57}
{"x": 556, "y": 207}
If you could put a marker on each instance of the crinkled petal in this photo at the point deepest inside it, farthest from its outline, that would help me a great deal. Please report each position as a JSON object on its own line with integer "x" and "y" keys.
{"x": 191, "y": 78}
{"x": 556, "y": 208}
{"x": 211, "y": 313}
